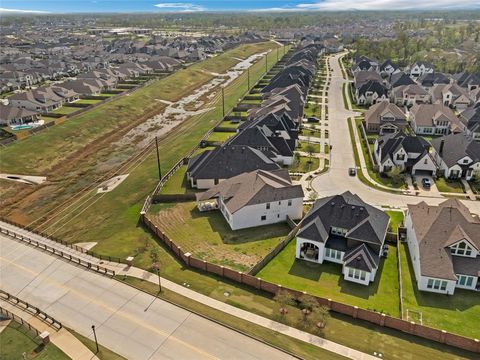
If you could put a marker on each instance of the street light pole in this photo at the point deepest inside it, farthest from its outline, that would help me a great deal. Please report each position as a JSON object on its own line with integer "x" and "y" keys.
{"x": 158, "y": 160}
{"x": 95, "y": 336}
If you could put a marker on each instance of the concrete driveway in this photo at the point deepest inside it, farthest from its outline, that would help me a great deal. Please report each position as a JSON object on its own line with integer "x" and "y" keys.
{"x": 433, "y": 191}
{"x": 129, "y": 322}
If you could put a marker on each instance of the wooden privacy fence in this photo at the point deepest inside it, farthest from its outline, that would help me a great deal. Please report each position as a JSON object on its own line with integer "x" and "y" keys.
{"x": 33, "y": 310}
{"x": 79, "y": 261}
{"x": 355, "y": 312}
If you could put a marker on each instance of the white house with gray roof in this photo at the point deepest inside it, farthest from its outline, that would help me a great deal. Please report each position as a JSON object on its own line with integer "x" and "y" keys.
{"x": 254, "y": 198}
{"x": 457, "y": 155}
{"x": 444, "y": 246}
{"x": 345, "y": 230}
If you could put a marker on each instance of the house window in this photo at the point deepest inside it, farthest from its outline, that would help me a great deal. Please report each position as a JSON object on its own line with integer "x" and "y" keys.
{"x": 263, "y": 218}
{"x": 215, "y": 181}
{"x": 461, "y": 249}
{"x": 430, "y": 284}
{"x": 289, "y": 203}
{"x": 443, "y": 286}
{"x": 464, "y": 280}
{"x": 279, "y": 203}
{"x": 267, "y": 206}
{"x": 400, "y": 156}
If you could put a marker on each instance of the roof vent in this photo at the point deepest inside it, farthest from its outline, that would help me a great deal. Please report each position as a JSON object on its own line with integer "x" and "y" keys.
{"x": 361, "y": 208}
{"x": 332, "y": 203}
{"x": 353, "y": 207}
{"x": 359, "y": 258}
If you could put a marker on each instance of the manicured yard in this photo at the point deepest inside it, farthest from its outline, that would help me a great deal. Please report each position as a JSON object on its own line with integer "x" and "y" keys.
{"x": 220, "y": 136}
{"x": 48, "y": 118}
{"x": 311, "y": 132}
{"x": 458, "y": 313}
{"x": 208, "y": 236}
{"x": 312, "y": 110}
{"x": 305, "y": 146}
{"x": 16, "y": 340}
{"x": 454, "y": 186}
{"x": 304, "y": 164}
{"x": 396, "y": 220}
{"x": 88, "y": 101}
{"x": 177, "y": 184}
{"x": 66, "y": 110}
{"x": 229, "y": 124}
{"x": 326, "y": 280}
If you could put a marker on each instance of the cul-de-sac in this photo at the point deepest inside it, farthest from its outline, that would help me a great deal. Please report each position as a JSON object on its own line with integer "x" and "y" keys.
{"x": 239, "y": 180}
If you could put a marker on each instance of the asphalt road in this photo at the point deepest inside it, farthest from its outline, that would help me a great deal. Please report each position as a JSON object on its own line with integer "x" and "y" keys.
{"x": 337, "y": 180}
{"x": 129, "y": 322}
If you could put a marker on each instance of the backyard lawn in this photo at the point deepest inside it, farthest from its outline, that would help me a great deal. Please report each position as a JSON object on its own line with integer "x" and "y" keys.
{"x": 304, "y": 164}
{"x": 66, "y": 110}
{"x": 177, "y": 184}
{"x": 208, "y": 236}
{"x": 88, "y": 101}
{"x": 306, "y": 147}
{"x": 396, "y": 220}
{"x": 229, "y": 124}
{"x": 220, "y": 136}
{"x": 16, "y": 340}
{"x": 326, "y": 280}
{"x": 458, "y": 313}
{"x": 454, "y": 186}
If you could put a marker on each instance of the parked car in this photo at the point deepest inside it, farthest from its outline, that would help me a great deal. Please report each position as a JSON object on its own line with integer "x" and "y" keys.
{"x": 352, "y": 171}
{"x": 313, "y": 119}
{"x": 426, "y": 183}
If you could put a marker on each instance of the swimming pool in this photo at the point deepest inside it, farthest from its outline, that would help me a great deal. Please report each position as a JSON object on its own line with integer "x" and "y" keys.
{"x": 21, "y": 127}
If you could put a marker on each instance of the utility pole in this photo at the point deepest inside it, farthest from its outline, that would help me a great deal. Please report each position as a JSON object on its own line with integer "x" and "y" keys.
{"x": 158, "y": 160}
{"x": 248, "y": 79}
{"x": 277, "y": 53}
{"x": 266, "y": 63}
{"x": 223, "y": 102}
{"x": 95, "y": 336}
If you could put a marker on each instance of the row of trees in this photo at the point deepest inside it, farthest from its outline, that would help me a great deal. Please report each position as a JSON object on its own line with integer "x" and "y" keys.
{"x": 311, "y": 310}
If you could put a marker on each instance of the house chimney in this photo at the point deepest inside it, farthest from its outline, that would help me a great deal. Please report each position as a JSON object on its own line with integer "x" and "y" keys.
{"x": 442, "y": 144}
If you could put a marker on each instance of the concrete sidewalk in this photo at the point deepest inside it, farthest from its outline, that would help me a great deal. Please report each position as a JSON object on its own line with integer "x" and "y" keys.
{"x": 62, "y": 339}
{"x": 122, "y": 269}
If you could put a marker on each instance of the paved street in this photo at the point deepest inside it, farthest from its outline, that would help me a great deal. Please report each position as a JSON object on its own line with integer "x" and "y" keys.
{"x": 337, "y": 180}
{"x": 129, "y": 322}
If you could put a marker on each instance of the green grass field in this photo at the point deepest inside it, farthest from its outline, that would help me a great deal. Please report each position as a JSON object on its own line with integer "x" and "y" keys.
{"x": 454, "y": 186}
{"x": 326, "y": 280}
{"x": 458, "y": 313}
{"x": 177, "y": 184}
{"x": 220, "y": 136}
{"x": 66, "y": 110}
{"x": 16, "y": 340}
{"x": 304, "y": 164}
{"x": 88, "y": 101}
{"x": 208, "y": 236}
{"x": 396, "y": 219}
{"x": 32, "y": 156}
{"x": 305, "y": 146}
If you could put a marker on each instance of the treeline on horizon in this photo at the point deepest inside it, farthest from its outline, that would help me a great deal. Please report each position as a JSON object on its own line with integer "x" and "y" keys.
{"x": 244, "y": 20}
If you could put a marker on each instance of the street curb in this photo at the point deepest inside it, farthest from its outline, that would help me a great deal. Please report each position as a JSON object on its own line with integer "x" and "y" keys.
{"x": 216, "y": 321}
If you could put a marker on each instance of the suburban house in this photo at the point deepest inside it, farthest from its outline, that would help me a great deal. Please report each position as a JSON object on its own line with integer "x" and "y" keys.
{"x": 444, "y": 246}
{"x": 36, "y": 100}
{"x": 345, "y": 230}
{"x": 409, "y": 95}
{"x": 410, "y": 153}
{"x": 11, "y": 115}
{"x": 433, "y": 119}
{"x": 457, "y": 155}
{"x": 213, "y": 166}
{"x": 362, "y": 77}
{"x": 388, "y": 68}
{"x": 400, "y": 78}
{"x": 451, "y": 95}
{"x": 470, "y": 119}
{"x": 371, "y": 92}
{"x": 364, "y": 64}
{"x": 468, "y": 81}
{"x": 429, "y": 80}
{"x": 254, "y": 198}
{"x": 420, "y": 68}
{"x": 385, "y": 117}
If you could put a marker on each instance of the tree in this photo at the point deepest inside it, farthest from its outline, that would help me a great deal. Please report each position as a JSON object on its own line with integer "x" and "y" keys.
{"x": 308, "y": 304}
{"x": 310, "y": 149}
{"x": 323, "y": 314}
{"x": 284, "y": 299}
{"x": 396, "y": 175}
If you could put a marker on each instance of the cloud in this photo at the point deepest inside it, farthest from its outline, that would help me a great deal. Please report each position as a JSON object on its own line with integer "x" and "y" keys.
{"x": 180, "y": 7}
{"x": 339, "y": 5}
{"x": 4, "y": 10}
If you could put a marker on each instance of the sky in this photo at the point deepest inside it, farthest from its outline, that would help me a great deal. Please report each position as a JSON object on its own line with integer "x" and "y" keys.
{"x": 128, "y": 6}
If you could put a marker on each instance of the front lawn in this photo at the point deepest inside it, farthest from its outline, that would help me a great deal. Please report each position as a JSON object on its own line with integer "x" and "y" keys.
{"x": 454, "y": 186}
{"x": 305, "y": 146}
{"x": 326, "y": 280}
{"x": 458, "y": 313}
{"x": 207, "y": 236}
{"x": 303, "y": 164}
